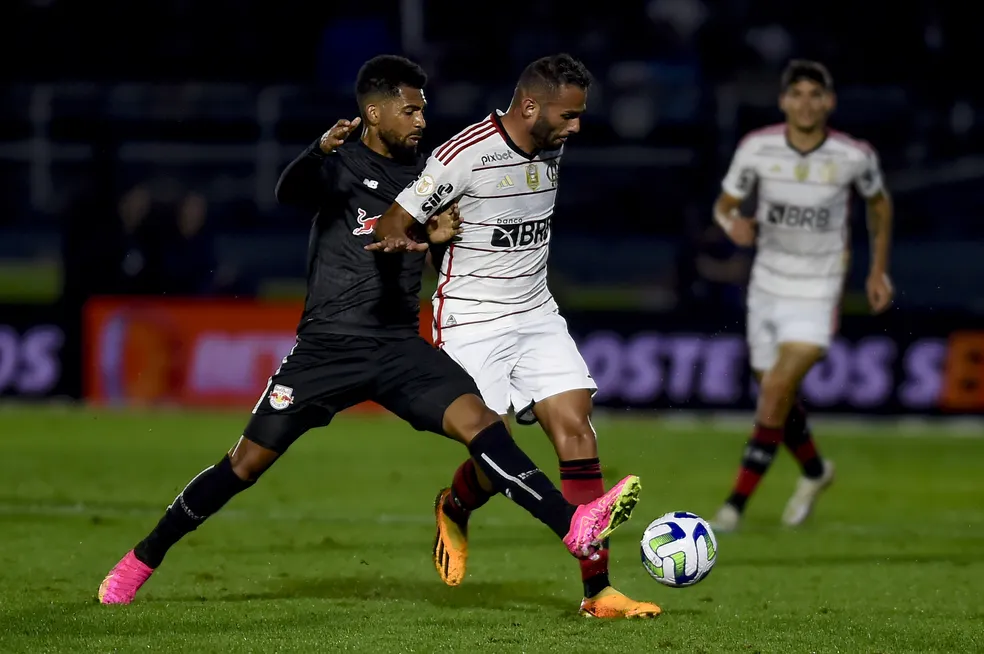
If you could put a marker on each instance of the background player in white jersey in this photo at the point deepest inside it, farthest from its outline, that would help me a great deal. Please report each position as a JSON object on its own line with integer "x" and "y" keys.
{"x": 493, "y": 311}
{"x": 803, "y": 173}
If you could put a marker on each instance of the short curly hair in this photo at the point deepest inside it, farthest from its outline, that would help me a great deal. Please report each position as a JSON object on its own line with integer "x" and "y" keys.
{"x": 385, "y": 74}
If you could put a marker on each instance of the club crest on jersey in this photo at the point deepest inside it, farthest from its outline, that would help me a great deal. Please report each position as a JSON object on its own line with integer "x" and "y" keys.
{"x": 828, "y": 172}
{"x": 281, "y": 397}
{"x": 366, "y": 223}
{"x": 553, "y": 171}
{"x": 424, "y": 185}
{"x": 746, "y": 179}
{"x": 533, "y": 177}
{"x": 867, "y": 181}
{"x": 802, "y": 171}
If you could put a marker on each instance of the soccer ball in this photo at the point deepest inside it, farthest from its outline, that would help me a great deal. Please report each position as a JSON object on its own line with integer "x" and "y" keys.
{"x": 678, "y": 549}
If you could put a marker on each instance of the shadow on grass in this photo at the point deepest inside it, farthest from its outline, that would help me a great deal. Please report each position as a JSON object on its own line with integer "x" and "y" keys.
{"x": 475, "y": 594}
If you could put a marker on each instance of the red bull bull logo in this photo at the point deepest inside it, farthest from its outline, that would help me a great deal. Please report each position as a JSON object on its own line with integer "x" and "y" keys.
{"x": 281, "y": 397}
{"x": 366, "y": 224}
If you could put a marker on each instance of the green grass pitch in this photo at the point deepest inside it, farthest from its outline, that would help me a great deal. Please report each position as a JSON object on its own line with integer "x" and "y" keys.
{"x": 331, "y": 550}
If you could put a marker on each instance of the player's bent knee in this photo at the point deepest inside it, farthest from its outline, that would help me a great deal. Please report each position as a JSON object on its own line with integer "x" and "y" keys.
{"x": 778, "y": 387}
{"x": 467, "y": 417}
{"x": 795, "y": 359}
{"x": 776, "y": 395}
{"x": 773, "y": 384}
{"x": 250, "y": 460}
{"x": 576, "y": 445}
{"x": 566, "y": 419}
{"x": 574, "y": 438}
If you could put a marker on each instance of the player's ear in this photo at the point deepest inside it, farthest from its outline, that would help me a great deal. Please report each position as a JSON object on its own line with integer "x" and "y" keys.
{"x": 530, "y": 108}
{"x": 371, "y": 114}
{"x": 830, "y": 101}
{"x": 782, "y": 102}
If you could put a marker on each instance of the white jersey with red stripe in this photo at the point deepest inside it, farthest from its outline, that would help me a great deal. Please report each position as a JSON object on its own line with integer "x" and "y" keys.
{"x": 495, "y": 276}
{"x": 803, "y": 207}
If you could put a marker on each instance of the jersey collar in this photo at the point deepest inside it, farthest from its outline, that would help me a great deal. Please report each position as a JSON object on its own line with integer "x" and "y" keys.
{"x": 803, "y": 153}
{"x": 497, "y": 121}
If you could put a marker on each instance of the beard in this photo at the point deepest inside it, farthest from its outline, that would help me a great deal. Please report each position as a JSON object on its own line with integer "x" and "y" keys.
{"x": 398, "y": 145}
{"x": 542, "y": 133}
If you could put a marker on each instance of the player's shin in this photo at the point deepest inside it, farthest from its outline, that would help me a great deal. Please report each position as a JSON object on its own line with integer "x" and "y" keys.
{"x": 467, "y": 493}
{"x": 799, "y": 440}
{"x": 581, "y": 482}
{"x": 755, "y": 461}
{"x": 513, "y": 474}
{"x": 204, "y": 495}
{"x": 776, "y": 396}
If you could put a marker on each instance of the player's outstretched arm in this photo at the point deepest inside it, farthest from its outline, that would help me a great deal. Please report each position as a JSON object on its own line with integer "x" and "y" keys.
{"x": 392, "y": 235}
{"x": 879, "y": 284}
{"x": 427, "y": 199}
{"x": 391, "y": 230}
{"x": 306, "y": 178}
{"x": 739, "y": 229}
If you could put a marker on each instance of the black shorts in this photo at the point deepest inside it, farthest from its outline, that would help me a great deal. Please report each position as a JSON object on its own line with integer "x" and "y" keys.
{"x": 324, "y": 375}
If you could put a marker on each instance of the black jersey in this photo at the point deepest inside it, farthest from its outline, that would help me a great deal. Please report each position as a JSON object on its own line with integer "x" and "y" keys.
{"x": 349, "y": 289}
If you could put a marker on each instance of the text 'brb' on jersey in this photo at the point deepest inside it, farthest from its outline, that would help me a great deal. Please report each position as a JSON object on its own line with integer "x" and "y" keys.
{"x": 351, "y": 290}
{"x": 803, "y": 207}
{"x": 496, "y": 274}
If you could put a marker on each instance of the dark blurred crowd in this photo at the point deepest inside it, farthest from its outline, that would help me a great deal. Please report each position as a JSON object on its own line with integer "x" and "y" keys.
{"x": 295, "y": 40}
{"x": 152, "y": 238}
{"x": 672, "y": 74}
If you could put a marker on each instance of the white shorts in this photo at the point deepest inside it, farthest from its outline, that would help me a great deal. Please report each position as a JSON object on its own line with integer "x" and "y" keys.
{"x": 521, "y": 366}
{"x": 773, "y": 319}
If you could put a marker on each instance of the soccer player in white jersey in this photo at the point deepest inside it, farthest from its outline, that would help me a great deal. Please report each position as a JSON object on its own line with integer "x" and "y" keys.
{"x": 804, "y": 174}
{"x": 493, "y": 311}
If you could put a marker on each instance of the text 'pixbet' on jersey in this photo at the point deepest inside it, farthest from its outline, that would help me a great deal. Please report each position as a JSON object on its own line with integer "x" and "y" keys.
{"x": 493, "y": 157}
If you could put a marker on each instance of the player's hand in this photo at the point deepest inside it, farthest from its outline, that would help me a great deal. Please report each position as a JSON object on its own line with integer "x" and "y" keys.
{"x": 397, "y": 244}
{"x": 739, "y": 229}
{"x": 742, "y": 231}
{"x": 880, "y": 291}
{"x": 444, "y": 226}
{"x": 337, "y": 134}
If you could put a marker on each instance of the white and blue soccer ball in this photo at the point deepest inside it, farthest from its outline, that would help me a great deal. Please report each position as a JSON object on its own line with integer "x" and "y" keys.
{"x": 679, "y": 549}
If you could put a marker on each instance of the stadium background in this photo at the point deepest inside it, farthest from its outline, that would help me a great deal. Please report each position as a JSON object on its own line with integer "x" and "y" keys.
{"x": 142, "y": 164}
{"x": 148, "y": 277}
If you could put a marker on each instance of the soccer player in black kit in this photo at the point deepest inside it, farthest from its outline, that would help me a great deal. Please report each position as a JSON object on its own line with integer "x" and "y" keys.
{"x": 358, "y": 337}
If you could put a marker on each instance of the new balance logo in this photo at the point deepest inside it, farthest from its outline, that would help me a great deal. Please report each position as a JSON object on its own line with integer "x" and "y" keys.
{"x": 505, "y": 182}
{"x": 371, "y": 183}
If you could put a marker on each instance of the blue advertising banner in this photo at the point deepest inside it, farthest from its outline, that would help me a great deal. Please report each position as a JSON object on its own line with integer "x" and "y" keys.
{"x": 895, "y": 363}
{"x": 38, "y": 353}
